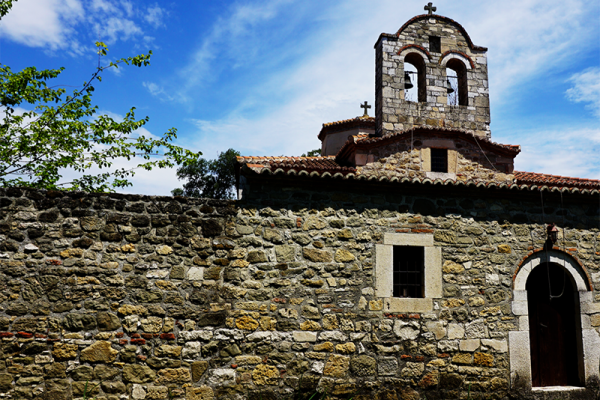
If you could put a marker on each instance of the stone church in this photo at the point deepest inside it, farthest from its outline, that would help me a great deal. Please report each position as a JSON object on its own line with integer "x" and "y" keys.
{"x": 409, "y": 261}
{"x": 472, "y": 276}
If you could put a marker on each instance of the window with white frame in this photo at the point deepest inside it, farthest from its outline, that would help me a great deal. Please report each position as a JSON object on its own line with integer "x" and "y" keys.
{"x": 408, "y": 270}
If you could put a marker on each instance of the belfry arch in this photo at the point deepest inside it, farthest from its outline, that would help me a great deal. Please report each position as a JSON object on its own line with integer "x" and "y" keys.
{"x": 417, "y": 61}
{"x": 553, "y": 300}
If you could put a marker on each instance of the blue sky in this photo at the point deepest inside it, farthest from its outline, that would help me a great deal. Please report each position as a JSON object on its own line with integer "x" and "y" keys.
{"x": 262, "y": 76}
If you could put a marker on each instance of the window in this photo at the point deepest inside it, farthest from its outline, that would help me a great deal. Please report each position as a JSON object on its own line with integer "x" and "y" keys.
{"x": 435, "y": 44}
{"x": 408, "y": 261}
{"x": 408, "y": 272}
{"x": 439, "y": 160}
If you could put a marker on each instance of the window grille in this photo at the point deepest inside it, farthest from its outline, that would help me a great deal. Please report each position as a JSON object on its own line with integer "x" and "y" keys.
{"x": 408, "y": 271}
{"x": 439, "y": 160}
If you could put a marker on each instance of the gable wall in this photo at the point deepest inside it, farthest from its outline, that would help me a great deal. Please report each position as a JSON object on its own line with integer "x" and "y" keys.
{"x": 467, "y": 162}
{"x": 146, "y": 296}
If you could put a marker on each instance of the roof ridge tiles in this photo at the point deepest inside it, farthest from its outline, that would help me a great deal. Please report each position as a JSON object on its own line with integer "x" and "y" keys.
{"x": 356, "y": 139}
{"x": 554, "y": 180}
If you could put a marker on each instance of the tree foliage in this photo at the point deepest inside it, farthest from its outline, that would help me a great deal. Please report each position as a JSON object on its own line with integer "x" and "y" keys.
{"x": 44, "y": 132}
{"x": 209, "y": 178}
{"x": 312, "y": 153}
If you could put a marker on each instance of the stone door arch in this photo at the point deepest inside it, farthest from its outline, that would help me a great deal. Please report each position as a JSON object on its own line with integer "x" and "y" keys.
{"x": 519, "y": 341}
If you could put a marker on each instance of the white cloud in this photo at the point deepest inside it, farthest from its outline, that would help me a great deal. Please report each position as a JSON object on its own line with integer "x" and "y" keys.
{"x": 586, "y": 89}
{"x": 42, "y": 23}
{"x": 155, "y": 16}
{"x": 565, "y": 151}
{"x": 156, "y": 90}
{"x": 104, "y": 5}
{"x": 66, "y": 24}
{"x": 235, "y": 30}
{"x": 116, "y": 28}
{"x": 529, "y": 38}
{"x": 128, "y": 8}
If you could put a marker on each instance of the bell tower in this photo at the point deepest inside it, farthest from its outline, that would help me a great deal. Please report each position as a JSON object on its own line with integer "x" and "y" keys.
{"x": 430, "y": 73}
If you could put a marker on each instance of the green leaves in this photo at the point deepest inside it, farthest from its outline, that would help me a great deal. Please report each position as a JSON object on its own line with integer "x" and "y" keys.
{"x": 209, "y": 178}
{"x": 5, "y": 6}
{"x": 312, "y": 153}
{"x": 45, "y": 132}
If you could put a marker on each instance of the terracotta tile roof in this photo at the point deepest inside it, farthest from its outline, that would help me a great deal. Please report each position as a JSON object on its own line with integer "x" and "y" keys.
{"x": 363, "y": 140}
{"x": 532, "y": 178}
{"x": 327, "y": 167}
{"x": 346, "y": 124}
{"x": 298, "y": 164}
{"x": 345, "y": 121}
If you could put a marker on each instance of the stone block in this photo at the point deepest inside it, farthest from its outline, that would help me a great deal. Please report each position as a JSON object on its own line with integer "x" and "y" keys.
{"x": 462, "y": 358}
{"x": 469, "y": 345}
{"x": 520, "y": 358}
{"x": 337, "y": 366}
{"x": 447, "y": 346}
{"x": 265, "y": 375}
{"x": 591, "y": 354}
{"x": 483, "y": 359}
{"x": 199, "y": 393}
{"x": 388, "y": 366}
{"x": 500, "y": 346}
{"x": 196, "y": 273}
{"x": 456, "y": 331}
{"x": 437, "y": 328}
{"x": 305, "y": 336}
{"x": 520, "y": 308}
{"x": 100, "y": 351}
{"x": 406, "y": 330}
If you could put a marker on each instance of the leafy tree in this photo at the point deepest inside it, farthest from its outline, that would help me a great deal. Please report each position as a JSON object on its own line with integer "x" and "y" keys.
{"x": 60, "y": 131}
{"x": 312, "y": 153}
{"x": 209, "y": 178}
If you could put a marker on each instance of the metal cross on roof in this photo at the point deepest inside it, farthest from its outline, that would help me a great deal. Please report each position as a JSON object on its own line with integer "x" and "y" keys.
{"x": 365, "y": 106}
{"x": 429, "y": 7}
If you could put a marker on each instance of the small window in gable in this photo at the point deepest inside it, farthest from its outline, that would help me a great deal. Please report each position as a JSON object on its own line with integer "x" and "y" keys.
{"x": 435, "y": 44}
{"x": 408, "y": 278}
{"x": 439, "y": 160}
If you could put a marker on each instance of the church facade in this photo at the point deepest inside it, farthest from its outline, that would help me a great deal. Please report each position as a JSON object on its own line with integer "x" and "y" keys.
{"x": 460, "y": 274}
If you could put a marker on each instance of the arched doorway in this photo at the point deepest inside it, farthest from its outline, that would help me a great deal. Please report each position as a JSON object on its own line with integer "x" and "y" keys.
{"x": 532, "y": 274}
{"x": 554, "y": 327}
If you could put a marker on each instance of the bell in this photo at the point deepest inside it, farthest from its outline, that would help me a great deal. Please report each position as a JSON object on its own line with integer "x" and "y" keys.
{"x": 407, "y": 83}
{"x": 449, "y": 87}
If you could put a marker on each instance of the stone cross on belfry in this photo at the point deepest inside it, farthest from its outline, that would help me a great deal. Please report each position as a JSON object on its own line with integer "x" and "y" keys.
{"x": 429, "y": 7}
{"x": 365, "y": 106}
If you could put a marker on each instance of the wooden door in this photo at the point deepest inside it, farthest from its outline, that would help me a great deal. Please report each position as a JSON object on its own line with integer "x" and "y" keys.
{"x": 552, "y": 327}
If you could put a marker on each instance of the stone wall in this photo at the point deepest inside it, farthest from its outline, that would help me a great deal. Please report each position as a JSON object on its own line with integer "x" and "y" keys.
{"x": 158, "y": 297}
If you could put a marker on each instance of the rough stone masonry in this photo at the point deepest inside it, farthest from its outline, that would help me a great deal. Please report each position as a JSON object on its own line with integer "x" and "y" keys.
{"x": 157, "y": 297}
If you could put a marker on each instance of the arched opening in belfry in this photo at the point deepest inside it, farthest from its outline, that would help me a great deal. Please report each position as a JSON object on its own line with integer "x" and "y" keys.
{"x": 456, "y": 78}
{"x": 554, "y": 327}
{"x": 451, "y": 87}
{"x": 415, "y": 71}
